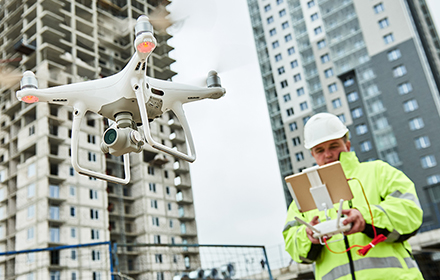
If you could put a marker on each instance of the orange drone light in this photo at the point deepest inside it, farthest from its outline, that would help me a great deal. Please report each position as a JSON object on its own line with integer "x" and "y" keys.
{"x": 29, "y": 99}
{"x": 145, "y": 47}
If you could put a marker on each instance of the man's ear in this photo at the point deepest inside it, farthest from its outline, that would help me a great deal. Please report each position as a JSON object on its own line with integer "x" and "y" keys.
{"x": 348, "y": 145}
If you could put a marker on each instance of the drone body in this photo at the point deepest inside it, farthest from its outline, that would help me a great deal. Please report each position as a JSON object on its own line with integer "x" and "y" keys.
{"x": 130, "y": 99}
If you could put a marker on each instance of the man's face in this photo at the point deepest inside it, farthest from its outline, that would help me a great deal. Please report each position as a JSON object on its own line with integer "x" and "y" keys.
{"x": 329, "y": 151}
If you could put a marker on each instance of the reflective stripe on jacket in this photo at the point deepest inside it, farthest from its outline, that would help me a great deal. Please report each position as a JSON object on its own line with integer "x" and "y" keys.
{"x": 396, "y": 212}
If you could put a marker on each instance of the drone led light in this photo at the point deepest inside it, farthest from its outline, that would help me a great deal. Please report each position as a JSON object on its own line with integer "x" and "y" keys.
{"x": 29, "y": 99}
{"x": 145, "y": 47}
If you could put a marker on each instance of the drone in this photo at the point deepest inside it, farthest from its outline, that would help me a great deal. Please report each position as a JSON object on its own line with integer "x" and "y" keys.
{"x": 128, "y": 99}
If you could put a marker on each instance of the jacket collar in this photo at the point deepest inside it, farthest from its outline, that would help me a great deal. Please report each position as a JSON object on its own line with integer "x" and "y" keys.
{"x": 349, "y": 160}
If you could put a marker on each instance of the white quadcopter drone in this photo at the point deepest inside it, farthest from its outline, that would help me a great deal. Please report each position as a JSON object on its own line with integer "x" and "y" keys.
{"x": 129, "y": 98}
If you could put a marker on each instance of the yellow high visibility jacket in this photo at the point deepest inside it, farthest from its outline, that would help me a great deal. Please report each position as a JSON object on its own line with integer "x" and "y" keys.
{"x": 396, "y": 214}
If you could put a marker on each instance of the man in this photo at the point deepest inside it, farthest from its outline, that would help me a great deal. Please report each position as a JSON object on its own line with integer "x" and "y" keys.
{"x": 394, "y": 204}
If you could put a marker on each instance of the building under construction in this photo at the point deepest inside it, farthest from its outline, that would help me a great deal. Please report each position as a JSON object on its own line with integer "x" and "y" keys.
{"x": 43, "y": 201}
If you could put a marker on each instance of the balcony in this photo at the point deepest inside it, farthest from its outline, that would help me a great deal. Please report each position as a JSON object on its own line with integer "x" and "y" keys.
{"x": 181, "y": 182}
{"x": 180, "y": 167}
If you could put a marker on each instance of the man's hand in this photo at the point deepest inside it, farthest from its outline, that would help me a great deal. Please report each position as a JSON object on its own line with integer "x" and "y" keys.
{"x": 313, "y": 222}
{"x": 355, "y": 217}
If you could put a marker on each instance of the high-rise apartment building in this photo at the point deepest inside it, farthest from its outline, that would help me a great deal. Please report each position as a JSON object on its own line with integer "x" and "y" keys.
{"x": 43, "y": 201}
{"x": 374, "y": 64}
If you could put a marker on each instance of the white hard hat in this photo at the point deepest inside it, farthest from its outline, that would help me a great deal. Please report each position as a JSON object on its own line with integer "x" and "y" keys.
{"x": 323, "y": 127}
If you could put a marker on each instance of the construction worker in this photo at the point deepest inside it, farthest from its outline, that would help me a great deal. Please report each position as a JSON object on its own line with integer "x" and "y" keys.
{"x": 394, "y": 204}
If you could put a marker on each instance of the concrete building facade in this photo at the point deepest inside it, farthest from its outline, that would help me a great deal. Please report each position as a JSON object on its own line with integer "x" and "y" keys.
{"x": 374, "y": 64}
{"x": 43, "y": 201}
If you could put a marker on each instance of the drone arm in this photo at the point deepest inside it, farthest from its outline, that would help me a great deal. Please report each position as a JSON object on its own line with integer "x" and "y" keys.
{"x": 177, "y": 108}
{"x": 79, "y": 112}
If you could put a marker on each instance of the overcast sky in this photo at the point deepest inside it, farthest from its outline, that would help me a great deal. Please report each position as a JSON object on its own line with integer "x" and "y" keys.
{"x": 236, "y": 181}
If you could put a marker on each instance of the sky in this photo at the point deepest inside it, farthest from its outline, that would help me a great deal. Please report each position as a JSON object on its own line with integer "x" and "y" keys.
{"x": 236, "y": 182}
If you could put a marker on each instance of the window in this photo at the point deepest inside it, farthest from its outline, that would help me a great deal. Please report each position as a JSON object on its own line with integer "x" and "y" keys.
{"x": 267, "y": 8}
{"x": 290, "y": 112}
{"x": 394, "y": 55}
{"x": 297, "y": 78}
{"x": 160, "y": 276}
{"x": 96, "y": 275}
{"x": 155, "y": 221}
{"x": 171, "y": 224}
{"x": 293, "y": 126}
{"x": 361, "y": 129}
{"x": 303, "y": 106}
{"x": 72, "y": 211}
{"x": 269, "y": 19}
{"x": 279, "y": 2}
{"x": 300, "y": 91}
{"x": 31, "y": 130}
{"x": 336, "y": 103}
{"x": 357, "y": 113}
{"x": 157, "y": 239}
{"x": 90, "y": 138}
{"x": 352, "y": 96}
{"x": 73, "y": 254}
{"x": 30, "y": 233}
{"x": 285, "y": 25}
{"x": 71, "y": 171}
{"x": 314, "y": 16}
{"x": 332, "y": 88}
{"x": 399, "y": 71}
{"x": 434, "y": 179}
{"x": 272, "y": 32}
{"x": 311, "y": 3}
{"x": 158, "y": 258}
{"x": 284, "y": 84}
{"x": 96, "y": 256}
{"x": 31, "y": 190}
{"x": 151, "y": 170}
{"x": 382, "y": 123}
{"x": 281, "y": 70}
{"x": 282, "y": 13}
{"x": 286, "y": 97}
{"x": 275, "y": 44}
{"x": 290, "y": 50}
{"x": 378, "y": 8}
{"x": 404, "y": 88}
{"x": 325, "y": 58}
{"x": 288, "y": 38}
{"x": 388, "y": 39}
{"x": 154, "y": 203}
{"x": 73, "y": 232}
{"x": 31, "y": 211}
{"x": 372, "y": 90}
{"x": 299, "y": 156}
{"x": 31, "y": 170}
{"x": 294, "y": 64}
{"x": 317, "y": 30}
{"x": 54, "y": 234}
{"x": 410, "y": 105}
{"x": 94, "y": 234}
{"x": 72, "y": 190}
{"x": 305, "y": 120}
{"x": 73, "y": 275}
{"x": 93, "y": 194}
{"x": 328, "y": 73}
{"x": 392, "y": 158}
{"x": 342, "y": 118}
{"x": 366, "y": 146}
{"x": 167, "y": 189}
{"x": 416, "y": 123}
{"x": 152, "y": 187}
{"x": 55, "y": 275}
{"x": 428, "y": 161}
{"x": 54, "y": 212}
{"x": 296, "y": 141}
{"x": 384, "y": 23}
{"x": 422, "y": 142}
{"x": 348, "y": 81}
{"x": 94, "y": 214}
{"x": 278, "y": 57}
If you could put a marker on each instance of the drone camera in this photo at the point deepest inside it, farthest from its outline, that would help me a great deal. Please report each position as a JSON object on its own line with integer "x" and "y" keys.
{"x": 118, "y": 141}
